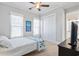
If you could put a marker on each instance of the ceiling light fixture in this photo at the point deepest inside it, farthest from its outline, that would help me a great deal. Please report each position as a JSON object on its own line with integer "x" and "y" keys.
{"x": 38, "y": 5}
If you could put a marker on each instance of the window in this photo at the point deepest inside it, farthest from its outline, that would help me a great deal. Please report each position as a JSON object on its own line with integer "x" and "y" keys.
{"x": 16, "y": 26}
{"x": 28, "y": 26}
{"x": 36, "y": 27}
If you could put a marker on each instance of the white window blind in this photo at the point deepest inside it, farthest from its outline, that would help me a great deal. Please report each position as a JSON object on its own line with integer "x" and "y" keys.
{"x": 16, "y": 26}
{"x": 36, "y": 26}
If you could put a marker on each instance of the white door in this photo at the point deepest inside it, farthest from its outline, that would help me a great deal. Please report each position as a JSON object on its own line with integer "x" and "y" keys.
{"x": 49, "y": 28}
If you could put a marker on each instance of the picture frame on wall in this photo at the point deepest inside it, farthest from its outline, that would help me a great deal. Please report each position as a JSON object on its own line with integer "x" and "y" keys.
{"x": 28, "y": 26}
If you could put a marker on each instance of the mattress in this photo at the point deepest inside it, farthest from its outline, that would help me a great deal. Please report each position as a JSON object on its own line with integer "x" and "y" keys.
{"x": 20, "y": 46}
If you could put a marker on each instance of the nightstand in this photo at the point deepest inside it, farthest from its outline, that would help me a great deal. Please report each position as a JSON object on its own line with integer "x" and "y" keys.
{"x": 40, "y": 43}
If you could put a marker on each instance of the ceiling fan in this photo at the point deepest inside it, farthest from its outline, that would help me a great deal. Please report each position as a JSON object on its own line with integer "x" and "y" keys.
{"x": 38, "y": 5}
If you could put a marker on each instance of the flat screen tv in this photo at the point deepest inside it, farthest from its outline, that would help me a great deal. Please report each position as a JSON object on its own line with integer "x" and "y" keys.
{"x": 74, "y": 28}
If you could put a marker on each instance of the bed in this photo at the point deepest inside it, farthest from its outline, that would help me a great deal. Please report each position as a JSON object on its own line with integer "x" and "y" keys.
{"x": 20, "y": 46}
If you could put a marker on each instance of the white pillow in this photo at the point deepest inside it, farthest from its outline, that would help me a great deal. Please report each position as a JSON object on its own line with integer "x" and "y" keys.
{"x": 3, "y": 37}
{"x": 5, "y": 42}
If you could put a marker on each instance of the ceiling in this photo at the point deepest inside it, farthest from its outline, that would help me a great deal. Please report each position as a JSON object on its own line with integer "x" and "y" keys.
{"x": 53, "y": 5}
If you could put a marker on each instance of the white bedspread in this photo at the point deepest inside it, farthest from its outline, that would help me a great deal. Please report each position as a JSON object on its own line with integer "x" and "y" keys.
{"x": 17, "y": 42}
{"x": 20, "y": 46}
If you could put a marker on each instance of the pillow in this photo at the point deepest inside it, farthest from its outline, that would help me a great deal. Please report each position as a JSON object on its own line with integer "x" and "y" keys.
{"x": 5, "y": 42}
{"x": 3, "y": 37}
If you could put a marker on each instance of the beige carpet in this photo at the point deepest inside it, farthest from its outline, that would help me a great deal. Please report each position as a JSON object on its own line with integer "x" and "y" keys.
{"x": 51, "y": 50}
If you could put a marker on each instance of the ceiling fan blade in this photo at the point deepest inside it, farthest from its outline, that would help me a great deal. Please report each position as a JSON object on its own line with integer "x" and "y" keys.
{"x": 32, "y": 2}
{"x": 44, "y": 5}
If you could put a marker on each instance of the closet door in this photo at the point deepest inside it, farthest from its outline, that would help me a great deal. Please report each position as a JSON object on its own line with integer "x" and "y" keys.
{"x": 49, "y": 27}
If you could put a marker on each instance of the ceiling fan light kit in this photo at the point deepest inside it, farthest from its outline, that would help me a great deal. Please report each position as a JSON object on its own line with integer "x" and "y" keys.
{"x": 37, "y": 5}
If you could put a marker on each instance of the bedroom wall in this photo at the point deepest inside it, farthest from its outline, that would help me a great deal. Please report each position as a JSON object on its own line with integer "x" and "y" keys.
{"x": 5, "y": 19}
{"x": 60, "y": 24}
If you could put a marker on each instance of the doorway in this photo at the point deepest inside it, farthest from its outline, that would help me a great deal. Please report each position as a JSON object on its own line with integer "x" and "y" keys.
{"x": 71, "y": 17}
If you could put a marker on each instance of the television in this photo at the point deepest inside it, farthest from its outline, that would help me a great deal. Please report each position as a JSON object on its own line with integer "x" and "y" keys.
{"x": 74, "y": 28}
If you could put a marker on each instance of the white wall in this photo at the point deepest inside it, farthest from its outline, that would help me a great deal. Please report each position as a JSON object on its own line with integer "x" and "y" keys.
{"x": 5, "y": 19}
{"x": 60, "y": 24}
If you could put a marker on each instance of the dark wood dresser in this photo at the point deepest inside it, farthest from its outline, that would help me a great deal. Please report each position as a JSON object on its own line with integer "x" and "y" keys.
{"x": 64, "y": 49}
